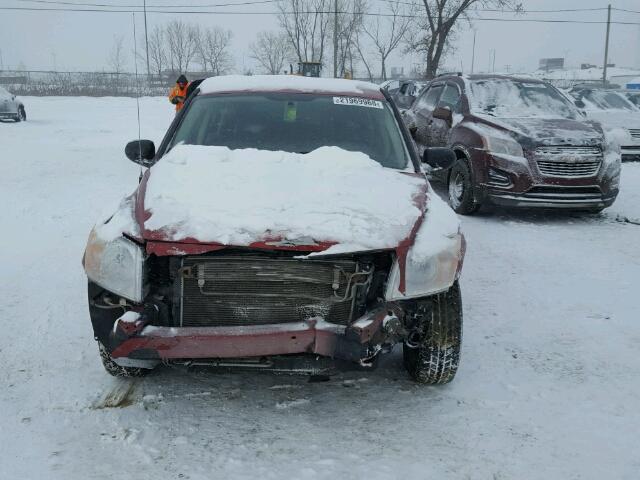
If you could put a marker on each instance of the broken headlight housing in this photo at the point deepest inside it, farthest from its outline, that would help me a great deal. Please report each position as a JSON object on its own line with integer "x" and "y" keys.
{"x": 427, "y": 275}
{"x": 116, "y": 265}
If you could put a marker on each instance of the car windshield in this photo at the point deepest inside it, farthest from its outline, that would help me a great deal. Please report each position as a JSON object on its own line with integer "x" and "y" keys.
{"x": 604, "y": 100}
{"x": 515, "y": 99}
{"x": 295, "y": 123}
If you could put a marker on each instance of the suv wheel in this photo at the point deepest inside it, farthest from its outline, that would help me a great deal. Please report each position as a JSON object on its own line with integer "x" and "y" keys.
{"x": 22, "y": 115}
{"x": 116, "y": 370}
{"x": 432, "y": 353}
{"x": 461, "y": 189}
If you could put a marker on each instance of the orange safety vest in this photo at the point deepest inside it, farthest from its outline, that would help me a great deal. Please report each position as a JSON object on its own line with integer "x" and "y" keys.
{"x": 178, "y": 92}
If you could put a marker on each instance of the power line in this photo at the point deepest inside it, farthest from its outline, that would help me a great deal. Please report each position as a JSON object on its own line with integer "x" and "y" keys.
{"x": 207, "y": 12}
{"x": 108, "y": 5}
{"x": 257, "y": 2}
{"x": 624, "y": 10}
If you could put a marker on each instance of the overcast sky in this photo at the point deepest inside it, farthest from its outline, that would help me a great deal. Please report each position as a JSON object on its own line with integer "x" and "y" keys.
{"x": 82, "y": 41}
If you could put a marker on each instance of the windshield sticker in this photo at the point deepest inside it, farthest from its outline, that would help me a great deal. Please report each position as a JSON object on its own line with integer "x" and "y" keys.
{"x": 290, "y": 112}
{"x": 358, "y": 102}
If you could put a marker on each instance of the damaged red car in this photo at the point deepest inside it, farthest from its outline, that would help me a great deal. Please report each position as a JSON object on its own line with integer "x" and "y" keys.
{"x": 283, "y": 223}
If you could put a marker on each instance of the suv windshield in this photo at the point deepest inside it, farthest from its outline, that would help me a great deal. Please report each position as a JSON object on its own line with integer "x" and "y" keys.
{"x": 604, "y": 100}
{"x": 515, "y": 99}
{"x": 294, "y": 123}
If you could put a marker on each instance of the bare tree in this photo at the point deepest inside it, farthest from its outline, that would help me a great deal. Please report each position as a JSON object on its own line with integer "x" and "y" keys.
{"x": 271, "y": 50}
{"x": 306, "y": 24}
{"x": 212, "y": 50}
{"x": 432, "y": 35}
{"x": 157, "y": 50}
{"x": 182, "y": 41}
{"x": 363, "y": 56}
{"x": 349, "y": 26}
{"x": 117, "y": 57}
{"x": 386, "y": 33}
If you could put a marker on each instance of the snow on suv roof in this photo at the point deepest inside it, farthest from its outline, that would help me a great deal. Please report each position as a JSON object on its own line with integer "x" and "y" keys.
{"x": 289, "y": 83}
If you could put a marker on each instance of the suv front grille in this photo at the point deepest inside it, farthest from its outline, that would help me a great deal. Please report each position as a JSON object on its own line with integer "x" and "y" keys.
{"x": 259, "y": 290}
{"x": 568, "y": 161}
{"x": 635, "y": 132}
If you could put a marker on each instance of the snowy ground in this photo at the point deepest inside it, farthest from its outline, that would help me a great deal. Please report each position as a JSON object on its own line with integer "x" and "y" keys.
{"x": 549, "y": 385}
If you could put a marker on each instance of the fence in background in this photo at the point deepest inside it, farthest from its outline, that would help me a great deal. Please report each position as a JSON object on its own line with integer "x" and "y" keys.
{"x": 92, "y": 84}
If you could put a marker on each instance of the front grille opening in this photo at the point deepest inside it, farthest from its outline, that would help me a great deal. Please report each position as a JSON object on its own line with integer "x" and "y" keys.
{"x": 568, "y": 161}
{"x": 564, "y": 193}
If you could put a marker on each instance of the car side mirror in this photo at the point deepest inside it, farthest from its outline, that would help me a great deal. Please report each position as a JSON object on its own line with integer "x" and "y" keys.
{"x": 443, "y": 113}
{"x": 413, "y": 130}
{"x": 141, "y": 152}
{"x": 579, "y": 103}
{"x": 437, "y": 157}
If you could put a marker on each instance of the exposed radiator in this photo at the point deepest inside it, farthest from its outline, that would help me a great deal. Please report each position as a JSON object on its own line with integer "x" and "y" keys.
{"x": 257, "y": 290}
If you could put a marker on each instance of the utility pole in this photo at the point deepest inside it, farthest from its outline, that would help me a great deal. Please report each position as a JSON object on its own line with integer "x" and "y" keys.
{"x": 146, "y": 38}
{"x": 606, "y": 48}
{"x": 473, "y": 51}
{"x": 335, "y": 38}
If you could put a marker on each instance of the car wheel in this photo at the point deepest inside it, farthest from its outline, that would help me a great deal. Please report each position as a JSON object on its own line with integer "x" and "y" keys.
{"x": 460, "y": 189}
{"x": 22, "y": 115}
{"x": 432, "y": 353}
{"x": 116, "y": 370}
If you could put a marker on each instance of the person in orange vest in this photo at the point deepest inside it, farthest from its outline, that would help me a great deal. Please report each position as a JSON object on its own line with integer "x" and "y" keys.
{"x": 178, "y": 94}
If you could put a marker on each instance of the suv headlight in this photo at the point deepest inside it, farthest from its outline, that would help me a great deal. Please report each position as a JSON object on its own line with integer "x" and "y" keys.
{"x": 116, "y": 265}
{"x": 505, "y": 146}
{"x": 427, "y": 276}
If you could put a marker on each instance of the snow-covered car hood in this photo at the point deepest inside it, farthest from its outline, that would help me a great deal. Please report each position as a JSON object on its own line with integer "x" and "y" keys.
{"x": 617, "y": 123}
{"x": 326, "y": 199}
{"x": 615, "y": 118}
{"x": 548, "y": 131}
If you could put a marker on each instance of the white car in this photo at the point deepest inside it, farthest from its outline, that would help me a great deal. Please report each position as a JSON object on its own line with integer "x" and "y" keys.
{"x": 616, "y": 114}
{"x": 10, "y": 107}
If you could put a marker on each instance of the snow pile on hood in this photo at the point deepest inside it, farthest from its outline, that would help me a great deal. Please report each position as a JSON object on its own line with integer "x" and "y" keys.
{"x": 238, "y": 197}
{"x": 547, "y": 131}
{"x": 113, "y": 225}
{"x": 438, "y": 231}
{"x": 262, "y": 83}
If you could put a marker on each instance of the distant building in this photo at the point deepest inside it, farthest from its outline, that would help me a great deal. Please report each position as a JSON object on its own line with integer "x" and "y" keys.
{"x": 397, "y": 72}
{"x": 551, "y": 64}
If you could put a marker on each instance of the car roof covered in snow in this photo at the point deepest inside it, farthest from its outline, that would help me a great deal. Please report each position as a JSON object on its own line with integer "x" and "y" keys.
{"x": 289, "y": 83}
{"x": 495, "y": 76}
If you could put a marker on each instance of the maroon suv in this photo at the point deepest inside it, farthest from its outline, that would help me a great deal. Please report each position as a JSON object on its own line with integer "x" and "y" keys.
{"x": 284, "y": 222}
{"x": 518, "y": 141}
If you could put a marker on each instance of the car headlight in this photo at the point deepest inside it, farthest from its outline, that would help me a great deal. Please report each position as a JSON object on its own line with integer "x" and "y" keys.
{"x": 427, "y": 276}
{"x": 505, "y": 146}
{"x": 116, "y": 265}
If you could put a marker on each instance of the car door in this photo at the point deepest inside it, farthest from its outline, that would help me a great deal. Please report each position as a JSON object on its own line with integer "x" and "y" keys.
{"x": 4, "y": 100}
{"x": 423, "y": 110}
{"x": 406, "y": 95}
{"x": 440, "y": 128}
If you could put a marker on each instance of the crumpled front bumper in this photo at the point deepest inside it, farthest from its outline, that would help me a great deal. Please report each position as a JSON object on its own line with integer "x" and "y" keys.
{"x": 144, "y": 345}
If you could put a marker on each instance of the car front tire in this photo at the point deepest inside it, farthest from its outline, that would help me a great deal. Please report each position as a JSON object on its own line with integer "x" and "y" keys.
{"x": 22, "y": 115}
{"x": 116, "y": 370}
{"x": 460, "y": 189}
{"x": 432, "y": 354}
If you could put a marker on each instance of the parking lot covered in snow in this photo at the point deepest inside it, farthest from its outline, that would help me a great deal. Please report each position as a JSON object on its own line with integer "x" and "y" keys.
{"x": 548, "y": 386}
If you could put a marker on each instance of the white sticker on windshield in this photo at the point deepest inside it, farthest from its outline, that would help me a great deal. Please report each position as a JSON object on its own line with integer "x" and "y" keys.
{"x": 358, "y": 102}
